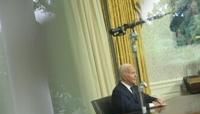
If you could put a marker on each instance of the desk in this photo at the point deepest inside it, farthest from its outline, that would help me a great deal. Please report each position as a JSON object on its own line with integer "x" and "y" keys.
{"x": 189, "y": 104}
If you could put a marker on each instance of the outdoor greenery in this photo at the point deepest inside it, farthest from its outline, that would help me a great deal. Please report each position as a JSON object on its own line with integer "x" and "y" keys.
{"x": 186, "y": 23}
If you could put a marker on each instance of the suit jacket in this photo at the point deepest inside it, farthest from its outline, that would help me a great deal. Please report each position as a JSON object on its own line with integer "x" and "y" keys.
{"x": 124, "y": 101}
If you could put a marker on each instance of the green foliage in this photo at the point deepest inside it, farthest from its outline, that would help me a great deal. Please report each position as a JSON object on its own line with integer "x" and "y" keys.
{"x": 44, "y": 4}
{"x": 189, "y": 30}
{"x": 65, "y": 103}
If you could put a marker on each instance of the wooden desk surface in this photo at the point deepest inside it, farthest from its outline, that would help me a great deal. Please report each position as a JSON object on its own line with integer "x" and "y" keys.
{"x": 189, "y": 104}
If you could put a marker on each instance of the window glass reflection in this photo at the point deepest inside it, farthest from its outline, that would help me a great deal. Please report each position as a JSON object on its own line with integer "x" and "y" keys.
{"x": 43, "y": 11}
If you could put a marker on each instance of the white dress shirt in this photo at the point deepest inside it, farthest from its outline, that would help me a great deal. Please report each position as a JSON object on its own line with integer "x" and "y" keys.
{"x": 127, "y": 86}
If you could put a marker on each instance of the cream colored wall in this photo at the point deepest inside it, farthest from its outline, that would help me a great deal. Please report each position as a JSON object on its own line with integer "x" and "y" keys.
{"x": 167, "y": 63}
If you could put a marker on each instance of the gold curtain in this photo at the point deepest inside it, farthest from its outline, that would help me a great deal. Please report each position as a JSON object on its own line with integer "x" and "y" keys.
{"x": 122, "y": 12}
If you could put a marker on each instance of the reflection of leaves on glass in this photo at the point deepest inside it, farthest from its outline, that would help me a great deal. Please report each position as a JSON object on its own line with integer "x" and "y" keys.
{"x": 160, "y": 7}
{"x": 43, "y": 4}
{"x": 65, "y": 103}
{"x": 44, "y": 10}
{"x": 177, "y": 4}
{"x": 188, "y": 29}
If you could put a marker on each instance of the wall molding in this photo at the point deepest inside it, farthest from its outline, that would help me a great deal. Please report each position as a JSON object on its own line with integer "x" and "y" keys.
{"x": 167, "y": 88}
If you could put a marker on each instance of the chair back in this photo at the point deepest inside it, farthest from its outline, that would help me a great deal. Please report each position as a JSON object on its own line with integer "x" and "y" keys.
{"x": 103, "y": 105}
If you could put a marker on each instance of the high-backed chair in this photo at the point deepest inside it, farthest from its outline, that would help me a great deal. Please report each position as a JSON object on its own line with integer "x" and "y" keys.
{"x": 103, "y": 105}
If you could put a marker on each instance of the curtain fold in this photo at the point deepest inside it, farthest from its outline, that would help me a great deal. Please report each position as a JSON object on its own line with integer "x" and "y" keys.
{"x": 79, "y": 56}
{"x": 91, "y": 30}
{"x": 121, "y": 12}
{"x": 92, "y": 54}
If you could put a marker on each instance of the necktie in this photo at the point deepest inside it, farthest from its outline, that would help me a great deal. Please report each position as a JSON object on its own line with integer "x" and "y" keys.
{"x": 134, "y": 92}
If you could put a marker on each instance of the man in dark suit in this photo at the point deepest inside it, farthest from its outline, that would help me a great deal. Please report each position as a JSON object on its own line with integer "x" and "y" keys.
{"x": 125, "y": 96}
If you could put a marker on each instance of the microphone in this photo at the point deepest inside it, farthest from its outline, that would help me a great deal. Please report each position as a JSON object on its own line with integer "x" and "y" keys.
{"x": 121, "y": 30}
{"x": 141, "y": 89}
{"x": 117, "y": 31}
{"x": 144, "y": 84}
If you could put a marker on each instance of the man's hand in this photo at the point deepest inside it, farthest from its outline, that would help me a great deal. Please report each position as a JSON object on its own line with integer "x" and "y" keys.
{"x": 156, "y": 104}
{"x": 161, "y": 102}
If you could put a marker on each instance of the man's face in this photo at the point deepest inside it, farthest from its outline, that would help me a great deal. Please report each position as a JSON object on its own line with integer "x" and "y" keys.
{"x": 131, "y": 76}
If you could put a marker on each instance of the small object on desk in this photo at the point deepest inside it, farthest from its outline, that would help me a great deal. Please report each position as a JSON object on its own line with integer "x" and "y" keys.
{"x": 157, "y": 103}
{"x": 152, "y": 105}
{"x": 192, "y": 84}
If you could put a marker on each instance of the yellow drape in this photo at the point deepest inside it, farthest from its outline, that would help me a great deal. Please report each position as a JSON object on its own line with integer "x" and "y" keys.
{"x": 122, "y": 12}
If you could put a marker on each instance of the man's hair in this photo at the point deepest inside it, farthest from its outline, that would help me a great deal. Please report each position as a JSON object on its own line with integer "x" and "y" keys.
{"x": 123, "y": 69}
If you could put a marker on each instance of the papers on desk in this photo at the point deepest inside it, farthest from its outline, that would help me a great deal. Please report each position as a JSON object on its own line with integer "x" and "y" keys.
{"x": 157, "y": 108}
{"x": 151, "y": 105}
